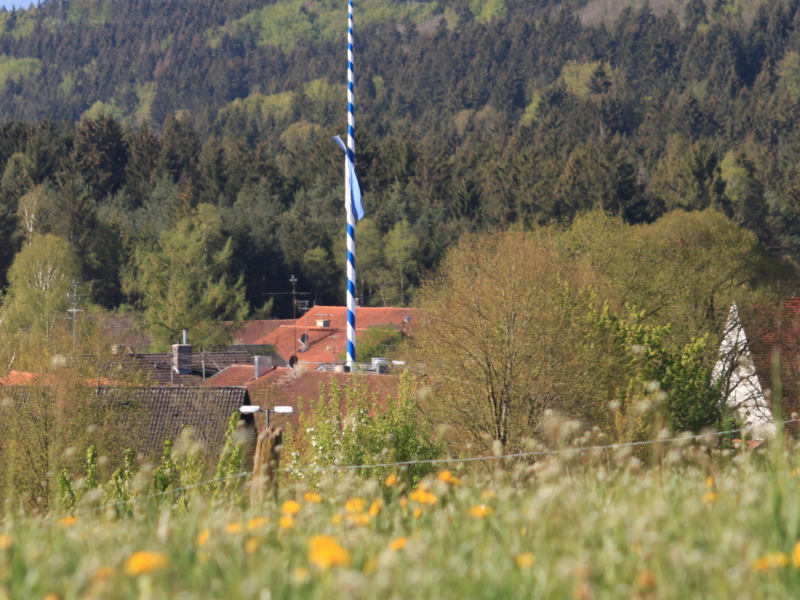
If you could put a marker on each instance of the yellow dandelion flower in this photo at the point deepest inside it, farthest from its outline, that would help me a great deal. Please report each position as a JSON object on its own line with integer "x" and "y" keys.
{"x": 251, "y": 545}
{"x": 525, "y": 560}
{"x": 391, "y": 480}
{"x": 710, "y": 497}
{"x": 301, "y": 575}
{"x": 398, "y": 544}
{"x": 312, "y": 497}
{"x": 359, "y": 518}
{"x": 103, "y": 573}
{"x": 337, "y": 519}
{"x": 67, "y": 521}
{"x": 796, "y": 555}
{"x": 354, "y": 505}
{"x": 375, "y": 508}
{"x": 257, "y": 523}
{"x": 233, "y": 528}
{"x": 290, "y": 507}
{"x": 448, "y": 477}
{"x": 417, "y": 513}
{"x": 710, "y": 481}
{"x": 325, "y": 552}
{"x": 773, "y": 560}
{"x": 5, "y": 541}
{"x": 480, "y": 511}
{"x": 286, "y": 522}
{"x": 145, "y": 562}
{"x": 202, "y": 538}
{"x": 423, "y": 497}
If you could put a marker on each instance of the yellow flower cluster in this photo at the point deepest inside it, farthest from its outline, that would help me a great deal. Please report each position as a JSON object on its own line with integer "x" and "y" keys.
{"x": 423, "y": 496}
{"x": 448, "y": 477}
{"x": 778, "y": 560}
{"x": 144, "y": 562}
{"x": 480, "y": 511}
{"x": 290, "y": 507}
{"x": 325, "y": 552}
{"x": 354, "y": 505}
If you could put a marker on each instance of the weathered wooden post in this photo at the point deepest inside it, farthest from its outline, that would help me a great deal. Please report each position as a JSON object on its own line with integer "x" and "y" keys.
{"x": 266, "y": 462}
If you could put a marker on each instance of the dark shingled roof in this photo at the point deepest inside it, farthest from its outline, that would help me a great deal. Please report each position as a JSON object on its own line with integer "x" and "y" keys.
{"x": 158, "y": 366}
{"x": 170, "y": 409}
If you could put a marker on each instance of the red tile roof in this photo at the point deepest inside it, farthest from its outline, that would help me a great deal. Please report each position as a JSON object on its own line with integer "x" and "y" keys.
{"x": 253, "y": 331}
{"x": 233, "y": 375}
{"x": 283, "y": 387}
{"x": 27, "y": 378}
{"x": 321, "y": 347}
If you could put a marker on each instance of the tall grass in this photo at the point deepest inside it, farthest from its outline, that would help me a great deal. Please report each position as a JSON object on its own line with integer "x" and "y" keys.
{"x": 703, "y": 525}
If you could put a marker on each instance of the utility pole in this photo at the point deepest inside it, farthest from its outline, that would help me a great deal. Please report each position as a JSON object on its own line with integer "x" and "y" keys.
{"x": 74, "y": 297}
{"x": 293, "y": 281}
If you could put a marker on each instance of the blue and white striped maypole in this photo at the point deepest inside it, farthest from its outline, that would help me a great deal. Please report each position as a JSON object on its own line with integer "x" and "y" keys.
{"x": 352, "y": 194}
{"x": 349, "y": 174}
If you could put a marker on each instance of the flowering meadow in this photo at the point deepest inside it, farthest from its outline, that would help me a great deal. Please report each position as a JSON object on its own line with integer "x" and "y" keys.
{"x": 709, "y": 527}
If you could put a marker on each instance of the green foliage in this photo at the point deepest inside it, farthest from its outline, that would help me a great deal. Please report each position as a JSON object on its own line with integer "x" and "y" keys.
{"x": 166, "y": 476}
{"x": 191, "y": 466}
{"x": 368, "y": 433}
{"x": 92, "y": 480}
{"x": 118, "y": 488}
{"x": 676, "y": 381}
{"x": 377, "y": 341}
{"x": 228, "y": 484}
{"x": 66, "y": 494}
{"x": 284, "y": 24}
{"x": 184, "y": 283}
{"x": 17, "y": 69}
{"x": 39, "y": 280}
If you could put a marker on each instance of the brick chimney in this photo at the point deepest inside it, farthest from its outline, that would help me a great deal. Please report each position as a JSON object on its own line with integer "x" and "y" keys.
{"x": 182, "y": 356}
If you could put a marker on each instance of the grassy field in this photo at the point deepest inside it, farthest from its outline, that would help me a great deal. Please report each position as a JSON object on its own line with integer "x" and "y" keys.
{"x": 709, "y": 526}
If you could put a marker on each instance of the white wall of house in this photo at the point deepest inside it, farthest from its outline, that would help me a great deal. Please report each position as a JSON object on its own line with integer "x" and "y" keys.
{"x": 740, "y": 386}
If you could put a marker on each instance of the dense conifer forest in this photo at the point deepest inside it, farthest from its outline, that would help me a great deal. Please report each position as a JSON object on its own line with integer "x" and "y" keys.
{"x": 124, "y": 119}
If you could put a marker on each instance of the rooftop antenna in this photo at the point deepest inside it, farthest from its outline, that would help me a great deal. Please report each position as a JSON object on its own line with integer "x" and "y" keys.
{"x": 75, "y": 298}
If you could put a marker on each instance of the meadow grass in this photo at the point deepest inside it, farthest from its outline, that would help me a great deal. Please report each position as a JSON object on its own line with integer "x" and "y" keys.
{"x": 708, "y": 526}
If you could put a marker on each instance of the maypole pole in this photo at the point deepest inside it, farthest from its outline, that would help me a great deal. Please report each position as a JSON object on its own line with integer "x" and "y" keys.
{"x": 349, "y": 174}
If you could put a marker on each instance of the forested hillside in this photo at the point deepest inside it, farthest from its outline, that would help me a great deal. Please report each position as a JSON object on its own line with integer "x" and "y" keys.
{"x": 124, "y": 119}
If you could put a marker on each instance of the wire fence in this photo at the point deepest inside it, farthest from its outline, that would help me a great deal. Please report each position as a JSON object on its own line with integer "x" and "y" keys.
{"x": 435, "y": 461}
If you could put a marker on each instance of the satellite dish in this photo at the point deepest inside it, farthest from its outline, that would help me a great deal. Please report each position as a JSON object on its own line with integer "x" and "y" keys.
{"x": 304, "y": 339}
{"x": 293, "y": 362}
{"x": 407, "y": 319}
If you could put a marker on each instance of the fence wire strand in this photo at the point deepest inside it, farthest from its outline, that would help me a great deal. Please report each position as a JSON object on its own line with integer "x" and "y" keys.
{"x": 433, "y": 461}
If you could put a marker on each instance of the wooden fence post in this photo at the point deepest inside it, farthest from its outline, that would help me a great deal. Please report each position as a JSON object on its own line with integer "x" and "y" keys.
{"x": 265, "y": 465}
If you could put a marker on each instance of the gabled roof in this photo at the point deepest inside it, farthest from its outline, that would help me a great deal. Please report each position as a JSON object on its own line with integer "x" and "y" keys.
{"x": 169, "y": 409}
{"x": 233, "y": 375}
{"x": 159, "y": 366}
{"x": 321, "y": 347}
{"x": 253, "y": 331}
{"x": 283, "y": 387}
